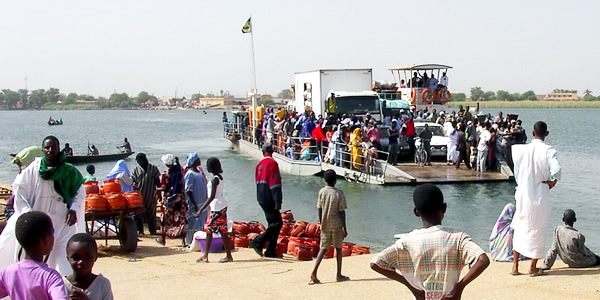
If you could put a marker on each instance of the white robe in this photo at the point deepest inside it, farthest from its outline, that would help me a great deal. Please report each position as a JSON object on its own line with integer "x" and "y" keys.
{"x": 534, "y": 163}
{"x": 34, "y": 193}
{"x": 452, "y": 153}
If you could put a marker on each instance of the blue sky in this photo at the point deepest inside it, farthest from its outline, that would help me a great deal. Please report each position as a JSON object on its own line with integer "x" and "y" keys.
{"x": 99, "y": 47}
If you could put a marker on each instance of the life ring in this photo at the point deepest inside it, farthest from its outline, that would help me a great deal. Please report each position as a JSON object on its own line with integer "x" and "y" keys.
{"x": 413, "y": 95}
{"x": 427, "y": 95}
{"x": 444, "y": 95}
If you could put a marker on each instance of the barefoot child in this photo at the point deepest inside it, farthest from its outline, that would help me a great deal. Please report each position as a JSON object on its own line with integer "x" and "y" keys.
{"x": 430, "y": 259}
{"x": 217, "y": 220}
{"x": 31, "y": 278}
{"x": 331, "y": 204}
{"x": 82, "y": 253}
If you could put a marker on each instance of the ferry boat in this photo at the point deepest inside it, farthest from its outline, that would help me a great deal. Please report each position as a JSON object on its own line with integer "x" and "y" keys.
{"x": 305, "y": 157}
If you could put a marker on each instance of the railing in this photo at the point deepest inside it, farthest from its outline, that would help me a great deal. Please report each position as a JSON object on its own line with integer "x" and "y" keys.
{"x": 366, "y": 161}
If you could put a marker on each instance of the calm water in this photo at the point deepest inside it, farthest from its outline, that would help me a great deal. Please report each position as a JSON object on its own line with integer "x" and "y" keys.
{"x": 375, "y": 213}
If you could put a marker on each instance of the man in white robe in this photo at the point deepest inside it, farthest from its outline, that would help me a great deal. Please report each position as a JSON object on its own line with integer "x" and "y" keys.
{"x": 32, "y": 193}
{"x": 536, "y": 172}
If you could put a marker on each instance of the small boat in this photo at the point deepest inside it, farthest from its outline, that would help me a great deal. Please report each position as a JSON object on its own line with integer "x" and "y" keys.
{"x": 55, "y": 122}
{"x": 86, "y": 159}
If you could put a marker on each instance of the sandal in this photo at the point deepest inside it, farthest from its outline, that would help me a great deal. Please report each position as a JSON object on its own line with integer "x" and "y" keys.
{"x": 539, "y": 272}
{"x": 225, "y": 260}
{"x": 343, "y": 278}
{"x": 313, "y": 282}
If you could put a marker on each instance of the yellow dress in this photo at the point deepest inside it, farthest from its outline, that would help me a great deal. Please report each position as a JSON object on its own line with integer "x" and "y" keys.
{"x": 355, "y": 144}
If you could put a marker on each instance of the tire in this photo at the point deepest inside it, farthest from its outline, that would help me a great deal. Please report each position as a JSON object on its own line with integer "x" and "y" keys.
{"x": 128, "y": 235}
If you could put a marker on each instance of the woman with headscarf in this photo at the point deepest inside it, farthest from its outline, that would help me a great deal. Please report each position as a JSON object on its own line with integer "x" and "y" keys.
{"x": 501, "y": 238}
{"x": 356, "y": 145}
{"x": 53, "y": 186}
{"x": 121, "y": 173}
{"x": 172, "y": 220}
{"x": 196, "y": 195}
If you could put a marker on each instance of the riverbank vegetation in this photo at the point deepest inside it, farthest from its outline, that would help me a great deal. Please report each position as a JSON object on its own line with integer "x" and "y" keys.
{"x": 526, "y": 104}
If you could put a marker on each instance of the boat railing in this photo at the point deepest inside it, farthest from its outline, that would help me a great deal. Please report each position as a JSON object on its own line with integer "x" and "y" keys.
{"x": 367, "y": 161}
{"x": 294, "y": 148}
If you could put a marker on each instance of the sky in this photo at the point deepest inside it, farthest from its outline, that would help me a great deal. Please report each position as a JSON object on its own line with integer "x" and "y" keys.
{"x": 182, "y": 47}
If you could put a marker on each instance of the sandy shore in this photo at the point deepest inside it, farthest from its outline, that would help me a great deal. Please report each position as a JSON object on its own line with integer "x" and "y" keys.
{"x": 157, "y": 272}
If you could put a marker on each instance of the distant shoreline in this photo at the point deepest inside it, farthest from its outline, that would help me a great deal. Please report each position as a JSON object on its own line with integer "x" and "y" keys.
{"x": 527, "y": 104}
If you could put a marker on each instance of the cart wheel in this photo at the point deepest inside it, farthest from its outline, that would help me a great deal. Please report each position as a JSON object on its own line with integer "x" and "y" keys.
{"x": 128, "y": 235}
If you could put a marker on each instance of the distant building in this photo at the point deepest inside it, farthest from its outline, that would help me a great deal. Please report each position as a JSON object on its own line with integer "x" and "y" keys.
{"x": 561, "y": 97}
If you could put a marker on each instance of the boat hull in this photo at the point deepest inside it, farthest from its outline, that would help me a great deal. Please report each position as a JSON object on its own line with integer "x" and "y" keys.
{"x": 85, "y": 159}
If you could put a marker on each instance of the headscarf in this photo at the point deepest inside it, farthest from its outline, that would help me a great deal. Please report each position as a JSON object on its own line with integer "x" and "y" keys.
{"x": 66, "y": 177}
{"x": 191, "y": 159}
{"x": 168, "y": 159}
{"x": 27, "y": 155}
{"x": 120, "y": 167}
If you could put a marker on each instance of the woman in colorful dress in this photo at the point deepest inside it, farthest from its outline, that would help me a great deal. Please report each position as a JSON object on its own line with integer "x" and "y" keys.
{"x": 173, "y": 209}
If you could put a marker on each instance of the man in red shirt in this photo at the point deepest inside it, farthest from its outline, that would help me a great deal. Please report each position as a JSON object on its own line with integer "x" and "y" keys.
{"x": 269, "y": 196}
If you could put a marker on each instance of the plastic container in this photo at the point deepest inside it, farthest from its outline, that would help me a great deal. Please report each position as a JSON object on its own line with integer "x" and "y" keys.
{"x": 215, "y": 246}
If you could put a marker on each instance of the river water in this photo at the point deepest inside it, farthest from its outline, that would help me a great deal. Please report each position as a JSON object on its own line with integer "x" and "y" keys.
{"x": 375, "y": 213}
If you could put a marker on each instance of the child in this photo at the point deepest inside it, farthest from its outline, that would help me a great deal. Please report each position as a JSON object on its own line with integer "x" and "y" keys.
{"x": 430, "y": 259}
{"x": 82, "y": 253}
{"x": 217, "y": 220}
{"x": 90, "y": 176}
{"x": 31, "y": 278}
{"x": 331, "y": 204}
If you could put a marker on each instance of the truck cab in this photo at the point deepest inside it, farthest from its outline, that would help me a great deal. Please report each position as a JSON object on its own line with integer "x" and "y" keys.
{"x": 354, "y": 103}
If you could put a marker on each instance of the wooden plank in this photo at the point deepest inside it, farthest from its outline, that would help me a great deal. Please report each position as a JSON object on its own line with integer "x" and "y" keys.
{"x": 442, "y": 173}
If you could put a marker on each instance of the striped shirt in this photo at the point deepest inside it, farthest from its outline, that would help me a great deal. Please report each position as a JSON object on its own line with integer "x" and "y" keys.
{"x": 145, "y": 181}
{"x": 430, "y": 259}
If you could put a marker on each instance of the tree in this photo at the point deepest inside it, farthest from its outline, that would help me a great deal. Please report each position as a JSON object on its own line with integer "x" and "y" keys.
{"x": 529, "y": 95}
{"x": 504, "y": 95}
{"x": 285, "y": 94}
{"x": 52, "y": 95}
{"x": 119, "y": 100}
{"x": 459, "y": 97}
{"x": 71, "y": 98}
{"x": 476, "y": 93}
{"x": 11, "y": 98}
{"x": 37, "y": 98}
{"x": 488, "y": 96}
{"x": 141, "y": 98}
{"x": 197, "y": 96}
{"x": 23, "y": 97}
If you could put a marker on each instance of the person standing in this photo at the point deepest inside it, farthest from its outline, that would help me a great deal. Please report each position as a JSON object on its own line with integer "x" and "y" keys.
{"x": 53, "y": 186}
{"x": 68, "y": 150}
{"x": 482, "y": 147}
{"x": 269, "y": 195}
{"x": 146, "y": 179}
{"x": 536, "y": 172}
{"x": 196, "y": 195}
{"x": 393, "y": 143}
{"x": 461, "y": 147}
{"x": 426, "y": 135}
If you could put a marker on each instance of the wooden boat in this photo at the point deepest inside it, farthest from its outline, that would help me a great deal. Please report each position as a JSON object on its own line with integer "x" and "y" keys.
{"x": 86, "y": 159}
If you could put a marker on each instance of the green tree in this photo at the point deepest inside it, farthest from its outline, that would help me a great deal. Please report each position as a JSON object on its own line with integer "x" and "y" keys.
{"x": 488, "y": 96}
{"x": 459, "y": 97}
{"x": 23, "y": 97}
{"x": 197, "y": 96}
{"x": 70, "y": 98}
{"x": 119, "y": 100}
{"x": 11, "y": 98}
{"x": 504, "y": 95}
{"x": 52, "y": 95}
{"x": 285, "y": 94}
{"x": 476, "y": 93}
{"x": 529, "y": 95}
{"x": 141, "y": 98}
{"x": 103, "y": 102}
{"x": 516, "y": 96}
{"x": 37, "y": 98}
{"x": 87, "y": 97}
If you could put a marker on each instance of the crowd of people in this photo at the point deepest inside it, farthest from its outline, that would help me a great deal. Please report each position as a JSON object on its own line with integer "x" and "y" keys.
{"x": 353, "y": 141}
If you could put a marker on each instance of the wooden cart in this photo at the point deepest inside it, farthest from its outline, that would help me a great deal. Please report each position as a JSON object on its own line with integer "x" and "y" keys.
{"x": 114, "y": 224}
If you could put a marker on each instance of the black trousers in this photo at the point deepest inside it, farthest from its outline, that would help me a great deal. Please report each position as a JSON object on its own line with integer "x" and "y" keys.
{"x": 271, "y": 233}
{"x": 462, "y": 156}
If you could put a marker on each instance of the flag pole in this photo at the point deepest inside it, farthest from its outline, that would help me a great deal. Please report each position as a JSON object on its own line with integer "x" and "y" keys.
{"x": 253, "y": 91}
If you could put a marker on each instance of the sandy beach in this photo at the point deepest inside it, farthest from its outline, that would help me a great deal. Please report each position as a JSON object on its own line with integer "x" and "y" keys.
{"x": 157, "y": 272}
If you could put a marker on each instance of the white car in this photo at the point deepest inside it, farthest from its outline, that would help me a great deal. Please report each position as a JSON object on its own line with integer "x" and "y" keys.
{"x": 439, "y": 142}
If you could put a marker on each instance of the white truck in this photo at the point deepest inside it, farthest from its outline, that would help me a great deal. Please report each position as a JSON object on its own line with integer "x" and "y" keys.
{"x": 336, "y": 92}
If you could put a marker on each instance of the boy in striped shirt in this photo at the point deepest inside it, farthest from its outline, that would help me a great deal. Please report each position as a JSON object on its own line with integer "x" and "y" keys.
{"x": 429, "y": 260}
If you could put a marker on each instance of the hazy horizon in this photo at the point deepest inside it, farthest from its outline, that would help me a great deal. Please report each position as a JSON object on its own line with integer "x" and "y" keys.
{"x": 101, "y": 47}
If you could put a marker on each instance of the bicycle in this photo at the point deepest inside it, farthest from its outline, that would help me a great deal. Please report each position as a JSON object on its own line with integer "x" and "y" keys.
{"x": 421, "y": 156}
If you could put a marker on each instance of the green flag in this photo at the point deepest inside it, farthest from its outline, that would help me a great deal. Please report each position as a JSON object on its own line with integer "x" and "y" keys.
{"x": 248, "y": 26}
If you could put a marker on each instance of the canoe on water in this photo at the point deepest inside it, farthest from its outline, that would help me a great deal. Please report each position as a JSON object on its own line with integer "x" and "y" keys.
{"x": 86, "y": 159}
